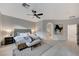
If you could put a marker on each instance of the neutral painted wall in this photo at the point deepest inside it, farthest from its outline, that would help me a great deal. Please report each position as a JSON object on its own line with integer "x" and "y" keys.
{"x": 0, "y": 26}
{"x": 10, "y": 23}
{"x": 45, "y": 22}
{"x": 64, "y": 22}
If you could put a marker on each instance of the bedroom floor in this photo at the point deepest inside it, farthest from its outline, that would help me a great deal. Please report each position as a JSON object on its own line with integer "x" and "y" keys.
{"x": 63, "y": 48}
{"x": 52, "y": 48}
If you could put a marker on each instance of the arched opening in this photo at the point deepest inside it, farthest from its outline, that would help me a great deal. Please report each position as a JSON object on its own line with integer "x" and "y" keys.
{"x": 50, "y": 31}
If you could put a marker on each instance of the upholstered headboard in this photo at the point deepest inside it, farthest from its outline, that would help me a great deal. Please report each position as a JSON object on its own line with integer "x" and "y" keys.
{"x": 16, "y": 31}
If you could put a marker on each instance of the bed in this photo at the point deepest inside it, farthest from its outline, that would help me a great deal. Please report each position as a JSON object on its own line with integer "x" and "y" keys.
{"x": 25, "y": 36}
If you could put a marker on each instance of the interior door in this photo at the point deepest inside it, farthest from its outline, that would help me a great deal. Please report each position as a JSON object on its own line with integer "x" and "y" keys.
{"x": 72, "y": 33}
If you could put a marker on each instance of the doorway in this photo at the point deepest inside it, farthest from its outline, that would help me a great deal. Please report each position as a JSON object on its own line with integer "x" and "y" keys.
{"x": 72, "y": 33}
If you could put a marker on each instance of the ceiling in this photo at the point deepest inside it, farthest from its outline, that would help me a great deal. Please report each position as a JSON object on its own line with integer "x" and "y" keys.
{"x": 51, "y": 11}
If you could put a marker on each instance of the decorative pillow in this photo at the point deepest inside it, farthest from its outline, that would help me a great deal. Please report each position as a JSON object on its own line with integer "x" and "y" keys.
{"x": 33, "y": 36}
{"x": 28, "y": 39}
{"x": 22, "y": 46}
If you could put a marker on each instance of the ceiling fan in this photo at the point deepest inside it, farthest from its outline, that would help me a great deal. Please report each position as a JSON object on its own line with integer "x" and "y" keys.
{"x": 37, "y": 15}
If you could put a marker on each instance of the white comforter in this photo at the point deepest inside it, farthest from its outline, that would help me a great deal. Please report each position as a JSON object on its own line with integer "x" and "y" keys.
{"x": 27, "y": 39}
{"x": 23, "y": 38}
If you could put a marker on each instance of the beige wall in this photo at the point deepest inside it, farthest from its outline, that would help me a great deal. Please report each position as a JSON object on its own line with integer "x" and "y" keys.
{"x": 64, "y": 22}
{"x": 44, "y": 27}
{"x": 8, "y": 24}
{"x": 0, "y": 26}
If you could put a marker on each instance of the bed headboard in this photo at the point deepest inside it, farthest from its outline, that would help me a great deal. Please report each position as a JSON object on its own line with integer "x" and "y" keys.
{"x": 21, "y": 31}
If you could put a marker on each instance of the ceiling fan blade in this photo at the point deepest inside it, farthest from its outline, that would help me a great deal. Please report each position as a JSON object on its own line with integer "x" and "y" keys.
{"x": 40, "y": 14}
{"x": 37, "y": 16}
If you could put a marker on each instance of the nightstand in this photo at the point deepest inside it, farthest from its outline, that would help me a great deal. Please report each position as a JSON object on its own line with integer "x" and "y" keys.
{"x": 8, "y": 40}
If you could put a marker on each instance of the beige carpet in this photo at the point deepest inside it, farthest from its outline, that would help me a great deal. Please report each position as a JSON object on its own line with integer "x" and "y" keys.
{"x": 48, "y": 48}
{"x": 52, "y": 48}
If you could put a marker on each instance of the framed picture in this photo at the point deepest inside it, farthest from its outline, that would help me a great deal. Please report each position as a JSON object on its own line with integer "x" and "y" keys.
{"x": 58, "y": 28}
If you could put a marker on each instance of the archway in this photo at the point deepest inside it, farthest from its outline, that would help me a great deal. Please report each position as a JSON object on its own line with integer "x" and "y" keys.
{"x": 50, "y": 31}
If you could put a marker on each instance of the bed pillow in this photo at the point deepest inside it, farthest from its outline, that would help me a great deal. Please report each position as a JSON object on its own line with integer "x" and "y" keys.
{"x": 18, "y": 38}
{"x": 33, "y": 36}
